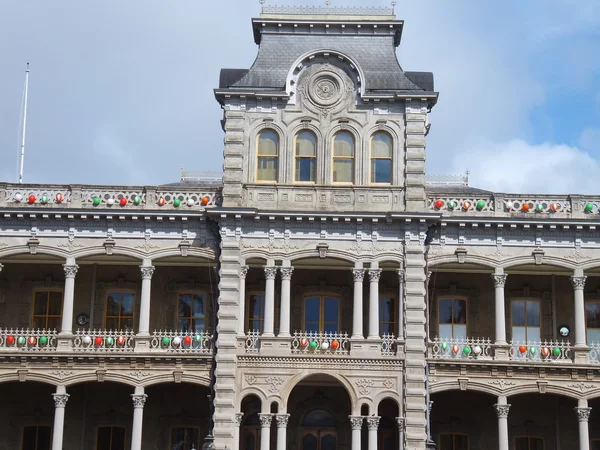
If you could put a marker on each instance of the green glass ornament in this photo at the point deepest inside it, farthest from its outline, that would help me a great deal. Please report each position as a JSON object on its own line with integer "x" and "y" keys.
{"x": 137, "y": 200}
{"x": 452, "y": 204}
{"x": 198, "y": 338}
{"x": 96, "y": 201}
{"x": 21, "y": 341}
{"x": 166, "y": 341}
{"x": 532, "y": 351}
{"x": 110, "y": 341}
{"x": 588, "y": 207}
{"x": 444, "y": 346}
{"x": 480, "y": 205}
{"x": 556, "y": 351}
{"x": 467, "y": 351}
{"x": 44, "y": 340}
{"x": 176, "y": 203}
{"x": 44, "y": 199}
{"x": 313, "y": 344}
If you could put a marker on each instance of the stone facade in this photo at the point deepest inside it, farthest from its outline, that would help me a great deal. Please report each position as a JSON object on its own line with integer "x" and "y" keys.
{"x": 324, "y": 295}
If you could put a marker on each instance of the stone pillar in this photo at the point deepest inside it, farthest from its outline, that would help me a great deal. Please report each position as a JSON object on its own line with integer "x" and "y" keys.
{"x": 400, "y": 319}
{"x": 147, "y": 270}
{"x": 70, "y": 269}
{"x": 265, "y": 430}
{"x": 580, "y": 348}
{"x": 237, "y": 422}
{"x": 583, "y": 417}
{"x": 374, "y": 275}
{"x": 501, "y": 350}
{"x": 400, "y": 422}
{"x": 60, "y": 401}
{"x": 356, "y": 423}
{"x": 285, "y": 310}
{"x": 282, "y": 422}
{"x": 269, "y": 321}
{"x": 502, "y": 408}
{"x": 357, "y": 308}
{"x": 373, "y": 425}
{"x": 242, "y": 301}
{"x": 139, "y": 400}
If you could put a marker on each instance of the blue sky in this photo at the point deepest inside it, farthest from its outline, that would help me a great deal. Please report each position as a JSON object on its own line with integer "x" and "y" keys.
{"x": 121, "y": 92}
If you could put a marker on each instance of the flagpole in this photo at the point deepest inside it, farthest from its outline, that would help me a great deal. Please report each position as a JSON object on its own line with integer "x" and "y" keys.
{"x": 24, "y": 125}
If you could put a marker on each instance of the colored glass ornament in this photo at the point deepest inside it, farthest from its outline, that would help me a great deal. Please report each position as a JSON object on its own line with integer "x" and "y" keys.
{"x": 31, "y": 199}
{"x": 444, "y": 346}
{"x": 325, "y": 345}
{"x": 313, "y": 344}
{"x": 44, "y": 199}
{"x": 176, "y": 203}
{"x": 44, "y": 340}
{"x": 21, "y": 340}
{"x": 480, "y": 205}
{"x": 18, "y": 198}
{"x": 191, "y": 202}
{"x": 455, "y": 349}
{"x": 198, "y": 338}
{"x": 123, "y": 201}
{"x": 59, "y": 198}
{"x": 98, "y": 340}
{"x": 509, "y": 205}
{"x": 187, "y": 340}
{"x": 205, "y": 200}
{"x": 477, "y": 350}
{"x": 96, "y": 201}
{"x": 466, "y": 206}
{"x": 554, "y": 207}
{"x": 532, "y": 350}
{"x": 467, "y": 351}
{"x": 304, "y": 342}
{"x": 545, "y": 352}
{"x": 10, "y": 340}
{"x": 522, "y": 349}
{"x": 176, "y": 341}
{"x": 110, "y": 341}
{"x": 556, "y": 351}
{"x": 539, "y": 208}
{"x": 335, "y": 345}
{"x": 87, "y": 340}
{"x": 137, "y": 200}
{"x": 439, "y": 204}
{"x": 452, "y": 204}
{"x": 110, "y": 201}
{"x": 166, "y": 341}
{"x": 525, "y": 207}
{"x": 161, "y": 201}
{"x": 121, "y": 340}
{"x": 588, "y": 207}
{"x": 32, "y": 340}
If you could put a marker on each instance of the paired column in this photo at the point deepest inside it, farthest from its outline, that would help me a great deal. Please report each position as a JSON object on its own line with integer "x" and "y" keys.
{"x": 285, "y": 310}
{"x": 374, "y": 275}
{"x": 400, "y": 422}
{"x": 400, "y": 319}
{"x": 70, "y": 269}
{"x": 60, "y": 401}
{"x": 282, "y": 422}
{"x": 373, "y": 425}
{"x": 583, "y": 417}
{"x": 265, "y": 430}
{"x": 139, "y": 400}
{"x": 269, "y": 321}
{"x": 357, "y": 308}
{"x": 147, "y": 270}
{"x": 242, "y": 301}
{"x": 502, "y": 408}
{"x": 356, "y": 423}
{"x": 578, "y": 280}
{"x": 499, "y": 281}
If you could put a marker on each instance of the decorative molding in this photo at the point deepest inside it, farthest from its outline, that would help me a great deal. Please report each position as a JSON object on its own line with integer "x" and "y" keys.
{"x": 358, "y": 274}
{"x": 70, "y": 270}
{"x": 274, "y": 383}
{"x": 139, "y": 374}
{"x": 364, "y": 385}
{"x": 501, "y": 383}
{"x": 282, "y": 420}
{"x": 237, "y": 419}
{"x": 61, "y": 374}
{"x": 286, "y": 273}
{"x": 250, "y": 379}
{"x": 578, "y": 282}
{"x": 388, "y": 384}
{"x": 400, "y": 423}
{"x": 147, "y": 272}
{"x": 270, "y": 272}
{"x": 577, "y": 257}
{"x": 581, "y": 387}
{"x": 498, "y": 255}
{"x": 147, "y": 247}
{"x": 374, "y": 274}
{"x": 244, "y": 271}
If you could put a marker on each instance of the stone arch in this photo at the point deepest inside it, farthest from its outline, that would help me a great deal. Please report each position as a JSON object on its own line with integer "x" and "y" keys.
{"x": 193, "y": 252}
{"x": 117, "y": 251}
{"x": 42, "y": 378}
{"x": 40, "y": 249}
{"x": 387, "y": 395}
{"x": 547, "y": 261}
{"x": 390, "y": 257}
{"x": 454, "y": 385}
{"x": 294, "y": 381}
{"x": 482, "y": 261}
{"x": 256, "y": 392}
{"x": 533, "y": 388}
{"x": 109, "y": 377}
{"x": 331, "y": 254}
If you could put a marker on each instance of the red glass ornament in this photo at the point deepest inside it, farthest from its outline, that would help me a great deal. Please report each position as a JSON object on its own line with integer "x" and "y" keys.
{"x": 545, "y": 352}
{"x": 32, "y": 340}
{"x": 304, "y": 342}
{"x": 123, "y": 201}
{"x": 98, "y": 340}
{"x": 10, "y": 340}
{"x": 59, "y": 198}
{"x": 466, "y": 206}
{"x": 522, "y": 349}
{"x": 187, "y": 340}
{"x": 335, "y": 345}
{"x": 525, "y": 207}
{"x": 161, "y": 201}
{"x": 439, "y": 204}
{"x": 205, "y": 200}
{"x": 121, "y": 340}
{"x": 455, "y": 349}
{"x": 31, "y": 199}
{"x": 554, "y": 207}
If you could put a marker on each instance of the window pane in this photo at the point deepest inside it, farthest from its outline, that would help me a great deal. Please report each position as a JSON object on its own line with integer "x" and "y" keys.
{"x": 199, "y": 305}
{"x": 183, "y": 325}
{"x": 460, "y": 332}
{"x": 536, "y": 444}
{"x": 53, "y": 323}
{"x": 592, "y": 315}
{"x": 533, "y": 334}
{"x": 518, "y": 334}
{"x": 255, "y": 325}
{"x": 445, "y": 332}
{"x": 386, "y": 309}
{"x": 305, "y": 169}
{"x": 461, "y": 442}
{"x": 39, "y": 322}
{"x": 533, "y": 314}
{"x": 593, "y": 336}
{"x": 381, "y": 145}
{"x": 381, "y": 171}
{"x": 518, "y": 313}
{"x": 445, "y": 311}
{"x": 112, "y": 324}
{"x": 306, "y": 144}
{"x": 267, "y": 169}
{"x": 40, "y": 303}
{"x": 103, "y": 442}
{"x": 43, "y": 438}
{"x": 29, "y": 438}
{"x": 312, "y": 309}
{"x": 331, "y": 310}
{"x": 127, "y": 303}
{"x": 185, "y": 308}
{"x": 55, "y": 303}
{"x": 118, "y": 438}
{"x": 249, "y": 443}
{"x": 198, "y": 325}
{"x": 343, "y": 144}
{"x": 256, "y": 306}
{"x": 267, "y": 143}
{"x": 113, "y": 303}
{"x": 446, "y": 442}
{"x": 309, "y": 442}
{"x": 328, "y": 442}
{"x": 343, "y": 170}
{"x": 126, "y": 324}
{"x": 522, "y": 444}
{"x": 387, "y": 328}
{"x": 460, "y": 311}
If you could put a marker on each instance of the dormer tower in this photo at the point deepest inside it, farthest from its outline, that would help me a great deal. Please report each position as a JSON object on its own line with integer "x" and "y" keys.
{"x": 325, "y": 119}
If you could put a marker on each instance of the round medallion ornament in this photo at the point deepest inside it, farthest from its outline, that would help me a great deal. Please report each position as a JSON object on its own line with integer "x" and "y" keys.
{"x": 325, "y": 89}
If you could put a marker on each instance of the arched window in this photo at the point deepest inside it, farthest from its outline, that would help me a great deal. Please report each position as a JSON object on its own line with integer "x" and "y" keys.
{"x": 318, "y": 418}
{"x": 306, "y": 156}
{"x": 268, "y": 156}
{"x": 343, "y": 157}
{"x": 381, "y": 158}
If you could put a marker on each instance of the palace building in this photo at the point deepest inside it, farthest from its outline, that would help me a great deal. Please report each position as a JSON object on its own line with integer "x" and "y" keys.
{"x": 322, "y": 293}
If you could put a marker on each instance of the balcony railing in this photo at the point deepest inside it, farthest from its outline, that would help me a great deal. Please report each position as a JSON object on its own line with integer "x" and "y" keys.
{"x": 252, "y": 344}
{"x": 460, "y": 348}
{"x": 308, "y": 342}
{"x": 181, "y": 342}
{"x": 541, "y": 351}
{"x": 28, "y": 340}
{"x": 595, "y": 353}
{"x": 103, "y": 341}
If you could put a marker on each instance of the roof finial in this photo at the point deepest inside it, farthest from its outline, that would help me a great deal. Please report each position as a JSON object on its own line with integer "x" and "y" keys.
{"x": 394, "y": 3}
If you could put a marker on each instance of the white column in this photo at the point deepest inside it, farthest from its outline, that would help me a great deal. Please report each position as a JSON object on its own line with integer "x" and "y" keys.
{"x": 139, "y": 400}
{"x": 502, "y": 408}
{"x": 269, "y": 321}
{"x": 242, "y": 301}
{"x": 147, "y": 270}
{"x": 499, "y": 281}
{"x": 356, "y": 422}
{"x": 400, "y": 422}
{"x": 578, "y": 281}
{"x": 400, "y": 319}
{"x": 265, "y": 431}
{"x": 357, "y": 308}
{"x": 60, "y": 401}
{"x": 374, "y": 275}
{"x": 1, "y": 266}
{"x": 70, "y": 269}
{"x": 583, "y": 417}
{"x": 373, "y": 425}
{"x": 282, "y": 423}
{"x": 237, "y": 422}
{"x": 285, "y": 310}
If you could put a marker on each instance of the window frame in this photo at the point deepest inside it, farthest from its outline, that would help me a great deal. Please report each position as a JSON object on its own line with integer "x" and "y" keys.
{"x": 184, "y": 428}
{"x": 322, "y": 322}
{"x": 314, "y": 158}
{"x": 276, "y": 156}
{"x": 453, "y": 434}
{"x": 207, "y": 309}
{"x": 37, "y": 426}
{"x": 540, "y": 326}
{"x": 247, "y": 317}
{"x": 394, "y": 322}
{"x": 528, "y": 441}
{"x": 587, "y": 328}
{"x": 111, "y": 426}
{"x": 375, "y": 158}
{"x": 453, "y": 297}
{"x": 352, "y": 158}
{"x": 47, "y": 316}
{"x": 119, "y": 317}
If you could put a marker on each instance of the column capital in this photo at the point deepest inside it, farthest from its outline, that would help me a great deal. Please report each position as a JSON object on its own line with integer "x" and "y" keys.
{"x": 358, "y": 274}
{"x": 265, "y": 420}
{"x": 60, "y": 400}
{"x": 139, "y": 400}
{"x": 237, "y": 419}
{"x": 270, "y": 272}
{"x": 374, "y": 274}
{"x": 373, "y": 422}
{"x": 282, "y": 420}
{"x": 401, "y": 274}
{"x": 578, "y": 282}
{"x": 70, "y": 270}
{"x": 583, "y": 414}
{"x": 499, "y": 279}
{"x": 147, "y": 272}
{"x": 244, "y": 271}
{"x": 286, "y": 273}
{"x": 356, "y": 422}
{"x": 502, "y": 410}
{"x": 400, "y": 423}
{"x": 428, "y": 277}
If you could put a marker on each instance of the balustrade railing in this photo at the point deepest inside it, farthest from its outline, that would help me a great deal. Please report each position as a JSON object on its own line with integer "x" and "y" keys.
{"x": 460, "y": 348}
{"x": 540, "y": 351}
{"x": 595, "y": 353}
{"x": 306, "y": 342}
{"x": 103, "y": 341}
{"x": 252, "y": 343}
{"x": 388, "y": 345}
{"x": 28, "y": 340}
{"x": 181, "y": 341}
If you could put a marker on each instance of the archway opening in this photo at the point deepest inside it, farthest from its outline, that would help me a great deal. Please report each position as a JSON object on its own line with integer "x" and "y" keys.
{"x": 250, "y": 425}
{"x": 388, "y": 425}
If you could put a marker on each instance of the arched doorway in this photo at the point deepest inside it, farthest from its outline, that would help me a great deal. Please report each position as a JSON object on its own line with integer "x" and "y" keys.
{"x": 319, "y": 431}
{"x": 250, "y": 426}
{"x": 388, "y": 436}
